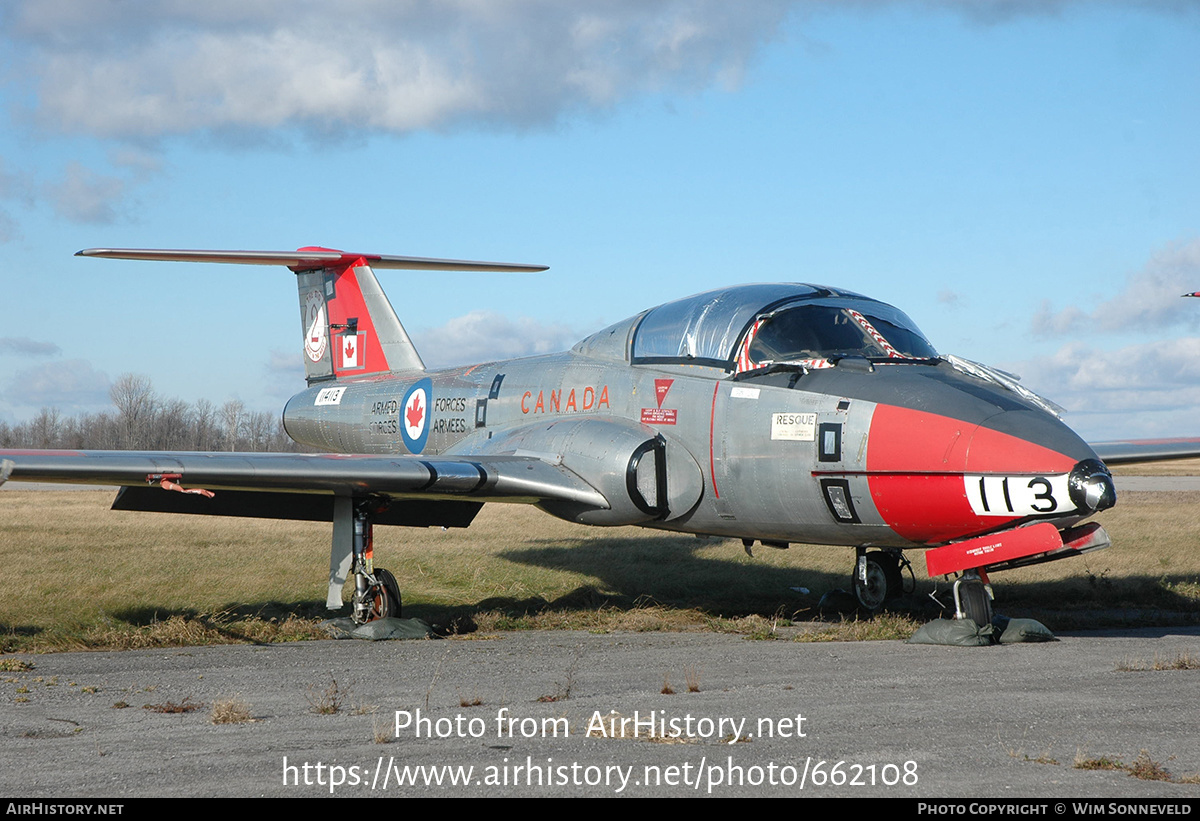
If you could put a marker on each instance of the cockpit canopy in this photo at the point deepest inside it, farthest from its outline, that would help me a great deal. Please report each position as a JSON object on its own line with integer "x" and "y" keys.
{"x": 746, "y": 327}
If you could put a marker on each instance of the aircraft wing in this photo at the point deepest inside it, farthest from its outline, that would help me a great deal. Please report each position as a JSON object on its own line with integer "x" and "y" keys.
{"x": 427, "y": 491}
{"x": 1134, "y": 451}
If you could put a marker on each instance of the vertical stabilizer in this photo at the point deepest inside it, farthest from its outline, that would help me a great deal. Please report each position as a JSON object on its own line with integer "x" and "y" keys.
{"x": 350, "y": 329}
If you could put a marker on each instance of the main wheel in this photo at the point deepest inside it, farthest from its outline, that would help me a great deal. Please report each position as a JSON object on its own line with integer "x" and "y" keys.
{"x": 976, "y": 603}
{"x": 883, "y": 580}
{"x": 382, "y": 598}
{"x": 392, "y": 589}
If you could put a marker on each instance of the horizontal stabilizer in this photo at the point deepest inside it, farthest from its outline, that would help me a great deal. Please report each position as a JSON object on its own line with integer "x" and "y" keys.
{"x": 307, "y": 259}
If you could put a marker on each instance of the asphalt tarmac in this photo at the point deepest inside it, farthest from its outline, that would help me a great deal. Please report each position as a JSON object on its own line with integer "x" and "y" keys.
{"x": 769, "y": 718}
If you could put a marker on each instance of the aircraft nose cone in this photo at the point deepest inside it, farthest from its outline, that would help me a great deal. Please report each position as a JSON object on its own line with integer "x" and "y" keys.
{"x": 936, "y": 478}
{"x": 1025, "y": 441}
{"x": 1091, "y": 486}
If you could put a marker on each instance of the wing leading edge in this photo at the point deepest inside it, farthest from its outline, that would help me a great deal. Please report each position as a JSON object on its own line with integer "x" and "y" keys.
{"x": 1135, "y": 451}
{"x": 517, "y": 479}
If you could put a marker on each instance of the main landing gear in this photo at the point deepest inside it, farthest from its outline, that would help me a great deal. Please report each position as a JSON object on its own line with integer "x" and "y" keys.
{"x": 376, "y": 594}
{"x": 877, "y": 577}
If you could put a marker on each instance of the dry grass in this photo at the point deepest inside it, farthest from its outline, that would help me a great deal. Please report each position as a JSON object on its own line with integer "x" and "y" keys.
{"x": 564, "y": 688}
{"x": 1043, "y": 759}
{"x": 185, "y": 706}
{"x": 133, "y": 580}
{"x": 1143, "y": 767}
{"x": 883, "y": 627}
{"x": 1147, "y": 769}
{"x": 231, "y": 711}
{"x": 1082, "y": 762}
{"x": 1182, "y": 660}
{"x": 327, "y": 700}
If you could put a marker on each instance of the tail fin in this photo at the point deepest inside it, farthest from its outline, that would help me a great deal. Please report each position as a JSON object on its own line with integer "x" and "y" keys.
{"x": 350, "y": 329}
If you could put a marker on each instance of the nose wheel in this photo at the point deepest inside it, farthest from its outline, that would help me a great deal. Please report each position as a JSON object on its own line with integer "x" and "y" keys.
{"x": 973, "y": 598}
{"x": 877, "y": 578}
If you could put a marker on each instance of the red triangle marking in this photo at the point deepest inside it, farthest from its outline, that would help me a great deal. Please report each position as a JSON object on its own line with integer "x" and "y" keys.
{"x": 661, "y": 386}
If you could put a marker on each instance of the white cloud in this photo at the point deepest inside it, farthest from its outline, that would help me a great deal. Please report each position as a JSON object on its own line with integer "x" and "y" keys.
{"x": 70, "y": 384}
{"x": 1149, "y": 301}
{"x": 483, "y": 336}
{"x": 9, "y": 230}
{"x": 1138, "y": 391}
{"x": 283, "y": 373}
{"x": 13, "y": 188}
{"x": 138, "y": 162}
{"x": 951, "y": 299}
{"x": 171, "y": 67}
{"x": 85, "y": 196}
{"x": 24, "y": 346}
{"x": 164, "y": 67}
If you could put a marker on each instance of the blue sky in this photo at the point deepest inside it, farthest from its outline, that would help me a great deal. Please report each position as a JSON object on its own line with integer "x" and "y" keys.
{"x": 1021, "y": 178}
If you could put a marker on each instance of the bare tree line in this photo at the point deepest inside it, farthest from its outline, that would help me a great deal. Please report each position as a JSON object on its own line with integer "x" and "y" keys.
{"x": 143, "y": 420}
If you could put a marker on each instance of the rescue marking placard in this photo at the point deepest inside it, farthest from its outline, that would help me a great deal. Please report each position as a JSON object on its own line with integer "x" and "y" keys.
{"x": 796, "y": 427}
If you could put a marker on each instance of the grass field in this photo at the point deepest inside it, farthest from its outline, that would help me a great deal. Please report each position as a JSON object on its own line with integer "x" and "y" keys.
{"x": 76, "y": 575}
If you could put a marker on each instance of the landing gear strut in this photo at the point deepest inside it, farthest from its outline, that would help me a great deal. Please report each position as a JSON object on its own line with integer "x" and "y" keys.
{"x": 876, "y": 578}
{"x": 376, "y": 594}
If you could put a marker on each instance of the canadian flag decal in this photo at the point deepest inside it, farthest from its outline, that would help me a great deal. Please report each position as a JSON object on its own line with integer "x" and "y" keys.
{"x": 350, "y": 351}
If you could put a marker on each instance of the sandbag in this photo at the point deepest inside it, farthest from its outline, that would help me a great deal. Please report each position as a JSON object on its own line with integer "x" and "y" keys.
{"x": 955, "y": 633}
{"x": 1019, "y": 631}
{"x": 378, "y": 630}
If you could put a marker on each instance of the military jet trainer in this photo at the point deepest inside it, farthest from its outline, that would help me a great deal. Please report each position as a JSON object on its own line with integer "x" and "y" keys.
{"x": 771, "y": 413}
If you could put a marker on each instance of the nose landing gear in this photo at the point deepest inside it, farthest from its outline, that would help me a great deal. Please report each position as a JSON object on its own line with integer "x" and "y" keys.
{"x": 973, "y": 597}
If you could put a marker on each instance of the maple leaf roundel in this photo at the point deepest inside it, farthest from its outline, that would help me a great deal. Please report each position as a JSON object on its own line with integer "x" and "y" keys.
{"x": 414, "y": 415}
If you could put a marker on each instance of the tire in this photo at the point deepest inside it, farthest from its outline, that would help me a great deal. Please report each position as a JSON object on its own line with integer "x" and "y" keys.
{"x": 976, "y": 604}
{"x": 392, "y": 589}
{"x": 382, "y": 598}
{"x": 884, "y": 582}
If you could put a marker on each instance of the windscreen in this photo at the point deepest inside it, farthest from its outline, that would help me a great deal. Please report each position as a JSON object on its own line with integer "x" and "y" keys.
{"x": 828, "y": 329}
